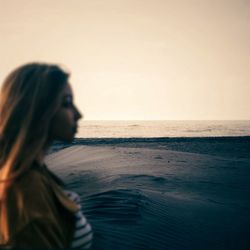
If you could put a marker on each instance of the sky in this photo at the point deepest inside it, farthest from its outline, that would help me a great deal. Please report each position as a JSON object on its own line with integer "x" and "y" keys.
{"x": 138, "y": 59}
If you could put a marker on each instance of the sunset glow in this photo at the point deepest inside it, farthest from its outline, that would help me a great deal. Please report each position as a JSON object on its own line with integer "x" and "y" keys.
{"x": 138, "y": 60}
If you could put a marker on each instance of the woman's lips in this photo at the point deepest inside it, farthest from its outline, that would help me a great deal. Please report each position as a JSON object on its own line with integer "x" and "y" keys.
{"x": 75, "y": 129}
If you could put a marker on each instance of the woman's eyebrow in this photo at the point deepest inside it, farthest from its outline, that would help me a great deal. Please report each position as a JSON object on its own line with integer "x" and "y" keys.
{"x": 68, "y": 96}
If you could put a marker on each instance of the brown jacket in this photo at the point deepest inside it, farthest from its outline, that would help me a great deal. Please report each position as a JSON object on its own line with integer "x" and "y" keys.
{"x": 44, "y": 217}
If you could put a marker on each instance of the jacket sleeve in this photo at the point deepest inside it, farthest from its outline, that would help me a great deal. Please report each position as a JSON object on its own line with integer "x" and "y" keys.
{"x": 38, "y": 234}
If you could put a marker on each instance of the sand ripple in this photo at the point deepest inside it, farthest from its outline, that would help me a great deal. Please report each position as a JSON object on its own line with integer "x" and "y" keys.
{"x": 141, "y": 198}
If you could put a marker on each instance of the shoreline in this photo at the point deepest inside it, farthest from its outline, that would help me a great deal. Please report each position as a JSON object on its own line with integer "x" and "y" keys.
{"x": 112, "y": 140}
{"x": 232, "y": 147}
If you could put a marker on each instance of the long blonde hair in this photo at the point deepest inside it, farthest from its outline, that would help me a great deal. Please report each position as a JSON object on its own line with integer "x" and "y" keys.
{"x": 28, "y": 102}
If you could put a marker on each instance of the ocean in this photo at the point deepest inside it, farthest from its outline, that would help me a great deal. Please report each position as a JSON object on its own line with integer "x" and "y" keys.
{"x": 148, "y": 129}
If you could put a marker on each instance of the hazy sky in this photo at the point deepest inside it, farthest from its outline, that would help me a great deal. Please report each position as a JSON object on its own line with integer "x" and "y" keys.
{"x": 138, "y": 59}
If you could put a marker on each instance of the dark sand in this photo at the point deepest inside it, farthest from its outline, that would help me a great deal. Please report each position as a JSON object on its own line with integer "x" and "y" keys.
{"x": 178, "y": 193}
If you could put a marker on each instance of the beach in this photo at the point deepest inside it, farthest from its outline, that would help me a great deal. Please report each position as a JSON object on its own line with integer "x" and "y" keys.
{"x": 161, "y": 193}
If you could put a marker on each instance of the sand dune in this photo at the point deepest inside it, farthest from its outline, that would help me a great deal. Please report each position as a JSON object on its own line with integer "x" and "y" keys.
{"x": 151, "y": 198}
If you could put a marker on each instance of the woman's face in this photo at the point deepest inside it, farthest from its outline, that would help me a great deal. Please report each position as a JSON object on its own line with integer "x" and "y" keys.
{"x": 64, "y": 123}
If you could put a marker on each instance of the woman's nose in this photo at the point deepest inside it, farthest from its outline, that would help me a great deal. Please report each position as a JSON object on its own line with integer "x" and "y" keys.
{"x": 78, "y": 115}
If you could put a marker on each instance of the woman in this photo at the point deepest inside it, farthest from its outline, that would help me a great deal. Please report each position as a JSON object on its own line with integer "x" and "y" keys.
{"x": 36, "y": 107}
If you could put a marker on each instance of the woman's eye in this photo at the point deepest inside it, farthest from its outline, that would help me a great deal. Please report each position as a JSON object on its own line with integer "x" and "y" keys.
{"x": 67, "y": 104}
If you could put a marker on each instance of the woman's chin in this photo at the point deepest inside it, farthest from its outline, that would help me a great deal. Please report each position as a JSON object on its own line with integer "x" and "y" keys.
{"x": 70, "y": 139}
{"x": 67, "y": 139}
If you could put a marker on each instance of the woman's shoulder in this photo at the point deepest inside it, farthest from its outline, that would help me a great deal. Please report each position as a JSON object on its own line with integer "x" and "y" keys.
{"x": 43, "y": 189}
{"x": 37, "y": 180}
{"x": 32, "y": 178}
{"x": 31, "y": 191}
{"x": 32, "y": 187}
